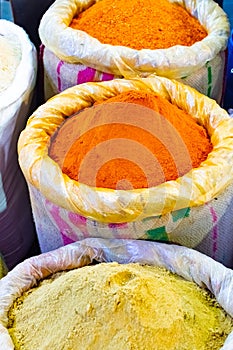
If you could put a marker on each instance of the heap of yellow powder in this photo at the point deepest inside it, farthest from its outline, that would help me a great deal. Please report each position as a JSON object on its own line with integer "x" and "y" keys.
{"x": 114, "y": 307}
{"x": 140, "y": 24}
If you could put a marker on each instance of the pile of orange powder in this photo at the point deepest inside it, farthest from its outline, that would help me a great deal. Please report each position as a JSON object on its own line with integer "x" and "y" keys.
{"x": 136, "y": 139}
{"x": 140, "y": 24}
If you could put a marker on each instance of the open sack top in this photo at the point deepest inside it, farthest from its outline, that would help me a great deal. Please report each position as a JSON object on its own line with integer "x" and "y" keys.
{"x": 25, "y": 74}
{"x": 195, "y": 188}
{"x": 185, "y": 262}
{"x": 75, "y": 46}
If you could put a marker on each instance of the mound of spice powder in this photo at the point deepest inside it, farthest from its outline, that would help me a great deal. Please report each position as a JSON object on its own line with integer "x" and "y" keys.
{"x": 118, "y": 307}
{"x": 136, "y": 139}
{"x": 140, "y": 24}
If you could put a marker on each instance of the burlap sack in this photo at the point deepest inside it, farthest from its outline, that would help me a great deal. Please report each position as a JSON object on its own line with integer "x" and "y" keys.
{"x": 72, "y": 57}
{"x": 17, "y": 232}
{"x": 193, "y": 211}
{"x": 185, "y": 262}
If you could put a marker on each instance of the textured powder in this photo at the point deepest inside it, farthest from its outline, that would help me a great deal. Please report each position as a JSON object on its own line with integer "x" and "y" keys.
{"x": 10, "y": 56}
{"x": 136, "y": 139}
{"x": 113, "y": 307}
{"x": 140, "y": 24}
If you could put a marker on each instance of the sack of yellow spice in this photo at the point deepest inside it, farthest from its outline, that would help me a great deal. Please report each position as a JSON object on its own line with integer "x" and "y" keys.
{"x": 136, "y": 276}
{"x": 134, "y": 39}
{"x": 193, "y": 210}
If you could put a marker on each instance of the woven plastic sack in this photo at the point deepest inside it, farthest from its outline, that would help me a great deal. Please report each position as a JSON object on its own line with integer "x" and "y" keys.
{"x": 189, "y": 264}
{"x": 72, "y": 57}
{"x": 17, "y": 232}
{"x": 185, "y": 211}
{"x": 59, "y": 75}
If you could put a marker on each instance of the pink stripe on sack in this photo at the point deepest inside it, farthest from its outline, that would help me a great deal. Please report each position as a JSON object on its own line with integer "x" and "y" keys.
{"x": 120, "y": 225}
{"x": 86, "y": 75}
{"x": 80, "y": 222}
{"x": 61, "y": 224}
{"x": 107, "y": 76}
{"x": 60, "y": 64}
{"x": 119, "y": 230}
{"x": 214, "y": 230}
{"x": 66, "y": 240}
{"x": 77, "y": 219}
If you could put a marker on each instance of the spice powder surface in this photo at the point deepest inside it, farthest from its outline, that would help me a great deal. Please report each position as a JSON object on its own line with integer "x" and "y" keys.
{"x": 140, "y": 24}
{"x": 134, "y": 140}
{"x": 113, "y": 307}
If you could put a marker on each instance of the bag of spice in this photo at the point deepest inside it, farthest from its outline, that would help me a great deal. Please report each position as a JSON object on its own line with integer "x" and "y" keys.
{"x": 101, "y": 40}
{"x": 193, "y": 209}
{"x": 136, "y": 276}
{"x": 18, "y": 66}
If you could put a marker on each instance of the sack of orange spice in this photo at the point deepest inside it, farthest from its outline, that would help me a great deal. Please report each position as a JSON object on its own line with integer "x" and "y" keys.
{"x": 193, "y": 209}
{"x": 101, "y": 40}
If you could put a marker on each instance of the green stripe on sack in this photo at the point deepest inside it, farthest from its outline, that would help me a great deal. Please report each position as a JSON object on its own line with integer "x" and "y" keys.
{"x": 158, "y": 234}
{"x": 209, "y": 79}
{"x": 180, "y": 214}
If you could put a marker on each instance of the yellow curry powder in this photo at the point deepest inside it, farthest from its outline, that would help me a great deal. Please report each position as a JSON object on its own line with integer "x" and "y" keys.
{"x": 114, "y": 307}
{"x": 140, "y": 24}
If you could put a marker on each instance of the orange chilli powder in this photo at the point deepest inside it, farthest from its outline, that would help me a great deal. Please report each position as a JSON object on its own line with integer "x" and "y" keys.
{"x": 140, "y": 24}
{"x": 136, "y": 139}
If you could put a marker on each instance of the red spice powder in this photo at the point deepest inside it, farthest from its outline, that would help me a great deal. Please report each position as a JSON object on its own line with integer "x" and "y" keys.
{"x": 140, "y": 24}
{"x": 136, "y": 139}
